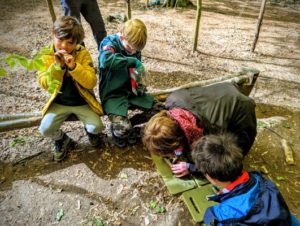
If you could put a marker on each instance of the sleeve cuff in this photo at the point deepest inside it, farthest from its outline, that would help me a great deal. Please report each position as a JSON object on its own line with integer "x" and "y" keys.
{"x": 131, "y": 61}
{"x": 192, "y": 168}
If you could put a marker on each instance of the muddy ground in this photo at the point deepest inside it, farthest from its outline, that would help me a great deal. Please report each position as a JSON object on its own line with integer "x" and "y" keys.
{"x": 116, "y": 186}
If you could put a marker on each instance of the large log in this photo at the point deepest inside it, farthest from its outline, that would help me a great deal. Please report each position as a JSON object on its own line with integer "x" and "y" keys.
{"x": 245, "y": 80}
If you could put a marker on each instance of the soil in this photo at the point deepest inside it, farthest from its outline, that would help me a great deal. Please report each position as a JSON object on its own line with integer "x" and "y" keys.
{"x": 115, "y": 186}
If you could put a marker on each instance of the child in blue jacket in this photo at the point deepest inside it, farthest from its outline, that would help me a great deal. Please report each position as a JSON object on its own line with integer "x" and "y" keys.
{"x": 245, "y": 198}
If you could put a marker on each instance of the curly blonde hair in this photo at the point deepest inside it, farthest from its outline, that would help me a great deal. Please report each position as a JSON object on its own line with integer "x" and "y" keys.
{"x": 162, "y": 134}
{"x": 135, "y": 33}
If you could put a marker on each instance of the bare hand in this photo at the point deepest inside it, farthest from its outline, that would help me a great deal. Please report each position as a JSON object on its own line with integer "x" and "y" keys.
{"x": 59, "y": 58}
{"x": 69, "y": 61}
{"x": 180, "y": 169}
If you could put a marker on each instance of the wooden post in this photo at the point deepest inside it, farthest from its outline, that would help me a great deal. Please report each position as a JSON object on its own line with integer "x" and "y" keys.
{"x": 259, "y": 23}
{"x": 128, "y": 10}
{"x": 51, "y": 10}
{"x": 199, "y": 6}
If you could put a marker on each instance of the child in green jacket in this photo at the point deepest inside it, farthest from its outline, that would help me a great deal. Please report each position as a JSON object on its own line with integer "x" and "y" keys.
{"x": 120, "y": 74}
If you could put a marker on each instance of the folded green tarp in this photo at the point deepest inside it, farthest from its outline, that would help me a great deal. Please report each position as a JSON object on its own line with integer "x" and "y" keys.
{"x": 193, "y": 190}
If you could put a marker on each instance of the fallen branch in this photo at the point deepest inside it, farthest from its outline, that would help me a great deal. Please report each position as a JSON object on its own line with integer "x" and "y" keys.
{"x": 245, "y": 80}
{"x": 28, "y": 158}
{"x": 288, "y": 152}
{"x": 20, "y": 123}
{"x": 6, "y": 117}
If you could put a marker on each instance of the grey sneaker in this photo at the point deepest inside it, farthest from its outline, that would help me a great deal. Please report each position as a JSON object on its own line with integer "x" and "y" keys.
{"x": 61, "y": 148}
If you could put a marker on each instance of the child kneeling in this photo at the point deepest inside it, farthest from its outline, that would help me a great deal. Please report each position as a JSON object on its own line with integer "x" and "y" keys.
{"x": 245, "y": 198}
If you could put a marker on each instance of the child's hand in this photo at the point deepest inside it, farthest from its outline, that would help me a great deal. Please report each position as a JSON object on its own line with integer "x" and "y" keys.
{"x": 70, "y": 61}
{"x": 59, "y": 58}
{"x": 180, "y": 169}
{"x": 139, "y": 67}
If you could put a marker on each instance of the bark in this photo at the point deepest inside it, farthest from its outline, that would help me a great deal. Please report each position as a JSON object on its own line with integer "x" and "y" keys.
{"x": 259, "y": 23}
{"x": 199, "y": 7}
{"x": 245, "y": 80}
{"x": 19, "y": 123}
{"x": 128, "y": 10}
{"x": 176, "y": 3}
{"x": 7, "y": 117}
{"x": 51, "y": 10}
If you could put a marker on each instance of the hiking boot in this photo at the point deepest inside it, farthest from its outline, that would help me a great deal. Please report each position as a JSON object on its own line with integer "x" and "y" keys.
{"x": 61, "y": 148}
{"x": 120, "y": 142}
{"x": 94, "y": 139}
{"x": 132, "y": 137}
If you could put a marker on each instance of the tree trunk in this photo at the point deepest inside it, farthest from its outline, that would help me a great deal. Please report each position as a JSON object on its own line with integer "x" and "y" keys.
{"x": 176, "y": 3}
{"x": 128, "y": 10}
{"x": 51, "y": 10}
{"x": 259, "y": 23}
{"x": 199, "y": 7}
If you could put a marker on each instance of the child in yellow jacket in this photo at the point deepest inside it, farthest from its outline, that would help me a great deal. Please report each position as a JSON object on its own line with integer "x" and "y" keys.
{"x": 69, "y": 76}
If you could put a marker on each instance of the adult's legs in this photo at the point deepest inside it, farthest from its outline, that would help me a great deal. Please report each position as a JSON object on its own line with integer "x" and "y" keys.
{"x": 91, "y": 12}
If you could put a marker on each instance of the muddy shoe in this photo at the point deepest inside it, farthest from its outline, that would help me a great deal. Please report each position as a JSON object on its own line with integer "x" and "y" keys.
{"x": 61, "y": 148}
{"x": 118, "y": 141}
{"x": 94, "y": 139}
{"x": 132, "y": 137}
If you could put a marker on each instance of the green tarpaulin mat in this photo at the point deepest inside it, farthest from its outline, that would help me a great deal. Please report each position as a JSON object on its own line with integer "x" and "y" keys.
{"x": 193, "y": 190}
{"x": 196, "y": 201}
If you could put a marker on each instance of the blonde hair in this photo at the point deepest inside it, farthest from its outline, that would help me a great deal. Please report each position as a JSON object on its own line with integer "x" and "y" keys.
{"x": 135, "y": 33}
{"x": 162, "y": 134}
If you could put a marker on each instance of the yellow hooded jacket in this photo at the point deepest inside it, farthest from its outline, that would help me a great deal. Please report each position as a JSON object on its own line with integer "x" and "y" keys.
{"x": 84, "y": 76}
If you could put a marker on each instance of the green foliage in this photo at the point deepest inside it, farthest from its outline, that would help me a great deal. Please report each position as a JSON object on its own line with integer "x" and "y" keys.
{"x": 98, "y": 222}
{"x": 2, "y": 72}
{"x": 280, "y": 178}
{"x": 59, "y": 214}
{"x": 262, "y": 124}
{"x": 152, "y": 204}
{"x": 160, "y": 209}
{"x": 30, "y": 64}
{"x": 17, "y": 141}
{"x": 33, "y": 63}
{"x": 286, "y": 125}
{"x": 123, "y": 176}
{"x": 157, "y": 209}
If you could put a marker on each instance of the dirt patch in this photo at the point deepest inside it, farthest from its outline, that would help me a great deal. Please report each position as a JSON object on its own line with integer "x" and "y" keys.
{"x": 117, "y": 185}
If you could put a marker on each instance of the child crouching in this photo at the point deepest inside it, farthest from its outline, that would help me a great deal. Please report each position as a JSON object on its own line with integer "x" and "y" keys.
{"x": 245, "y": 198}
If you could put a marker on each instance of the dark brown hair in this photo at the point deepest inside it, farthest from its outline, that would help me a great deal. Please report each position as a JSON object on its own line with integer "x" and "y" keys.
{"x": 219, "y": 157}
{"x": 68, "y": 27}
